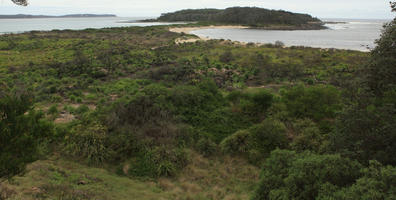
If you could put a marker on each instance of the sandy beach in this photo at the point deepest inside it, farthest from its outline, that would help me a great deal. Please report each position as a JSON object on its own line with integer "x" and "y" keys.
{"x": 188, "y": 30}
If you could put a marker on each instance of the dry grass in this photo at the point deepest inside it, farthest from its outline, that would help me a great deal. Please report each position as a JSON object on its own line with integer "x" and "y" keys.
{"x": 204, "y": 178}
{"x": 61, "y": 179}
{"x": 213, "y": 178}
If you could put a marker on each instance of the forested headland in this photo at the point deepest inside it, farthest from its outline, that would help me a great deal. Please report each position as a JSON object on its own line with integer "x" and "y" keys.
{"x": 128, "y": 113}
{"x": 247, "y": 16}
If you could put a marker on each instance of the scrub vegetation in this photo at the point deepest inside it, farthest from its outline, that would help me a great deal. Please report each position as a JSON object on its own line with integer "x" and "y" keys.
{"x": 126, "y": 113}
{"x": 248, "y": 16}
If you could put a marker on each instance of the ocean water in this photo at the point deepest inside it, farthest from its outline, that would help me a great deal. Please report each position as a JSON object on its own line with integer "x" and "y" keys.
{"x": 353, "y": 34}
{"x": 47, "y": 24}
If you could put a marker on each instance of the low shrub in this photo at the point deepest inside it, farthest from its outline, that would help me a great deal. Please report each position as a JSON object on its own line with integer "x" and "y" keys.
{"x": 268, "y": 135}
{"x": 157, "y": 162}
{"x": 307, "y": 136}
{"x": 237, "y": 143}
{"x": 88, "y": 142}
{"x": 316, "y": 102}
{"x": 288, "y": 175}
{"x": 53, "y": 110}
{"x": 22, "y": 131}
{"x": 206, "y": 146}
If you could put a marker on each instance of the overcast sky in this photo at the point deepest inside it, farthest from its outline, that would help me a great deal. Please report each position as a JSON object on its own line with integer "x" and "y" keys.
{"x": 363, "y": 9}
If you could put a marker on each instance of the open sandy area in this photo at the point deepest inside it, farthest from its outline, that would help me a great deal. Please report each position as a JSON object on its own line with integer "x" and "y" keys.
{"x": 188, "y": 30}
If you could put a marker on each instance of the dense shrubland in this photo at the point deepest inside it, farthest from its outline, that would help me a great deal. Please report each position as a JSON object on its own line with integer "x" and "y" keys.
{"x": 249, "y": 16}
{"x": 320, "y": 123}
{"x": 23, "y": 130}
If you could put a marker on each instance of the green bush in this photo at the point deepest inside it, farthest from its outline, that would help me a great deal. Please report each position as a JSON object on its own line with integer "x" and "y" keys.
{"x": 288, "y": 175}
{"x": 22, "y": 130}
{"x": 252, "y": 103}
{"x": 72, "y": 98}
{"x": 226, "y": 56}
{"x": 381, "y": 70}
{"x": 377, "y": 183}
{"x": 160, "y": 161}
{"x": 307, "y": 136}
{"x": 366, "y": 133}
{"x": 82, "y": 109}
{"x": 88, "y": 142}
{"x": 237, "y": 143}
{"x": 206, "y": 147}
{"x": 316, "y": 102}
{"x": 122, "y": 145}
{"x": 268, "y": 135}
{"x": 255, "y": 104}
{"x": 53, "y": 110}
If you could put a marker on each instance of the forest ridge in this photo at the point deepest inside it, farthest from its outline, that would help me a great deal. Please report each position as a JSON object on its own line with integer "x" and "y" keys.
{"x": 248, "y": 16}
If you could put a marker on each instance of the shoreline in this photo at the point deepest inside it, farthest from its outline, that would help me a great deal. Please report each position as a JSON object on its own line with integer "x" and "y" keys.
{"x": 188, "y": 30}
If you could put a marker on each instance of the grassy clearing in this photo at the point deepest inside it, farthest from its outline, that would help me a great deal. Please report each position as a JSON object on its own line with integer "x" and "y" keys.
{"x": 57, "y": 178}
{"x": 204, "y": 178}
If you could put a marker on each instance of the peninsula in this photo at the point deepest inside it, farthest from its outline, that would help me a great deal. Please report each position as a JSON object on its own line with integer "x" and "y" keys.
{"x": 252, "y": 17}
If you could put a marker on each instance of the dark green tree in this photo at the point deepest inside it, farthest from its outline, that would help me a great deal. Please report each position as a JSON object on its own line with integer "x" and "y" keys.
{"x": 366, "y": 134}
{"x": 21, "y": 131}
{"x": 382, "y": 67}
{"x": 366, "y": 130}
{"x": 317, "y": 103}
{"x": 378, "y": 182}
{"x": 288, "y": 175}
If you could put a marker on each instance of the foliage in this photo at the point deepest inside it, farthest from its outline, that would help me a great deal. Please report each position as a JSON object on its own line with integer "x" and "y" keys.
{"x": 365, "y": 130}
{"x": 381, "y": 70}
{"x": 288, "y": 175}
{"x": 253, "y": 104}
{"x": 268, "y": 135}
{"x": 138, "y": 102}
{"x": 251, "y": 16}
{"x": 317, "y": 102}
{"x": 53, "y": 110}
{"x": 237, "y": 143}
{"x": 160, "y": 161}
{"x": 376, "y": 183}
{"x": 206, "y": 147}
{"x": 366, "y": 133}
{"x": 307, "y": 137}
{"x": 89, "y": 143}
{"x": 22, "y": 129}
{"x": 226, "y": 57}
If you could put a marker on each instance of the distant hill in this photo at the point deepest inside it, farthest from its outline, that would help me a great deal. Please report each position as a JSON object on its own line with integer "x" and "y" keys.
{"x": 249, "y": 16}
{"x": 48, "y": 16}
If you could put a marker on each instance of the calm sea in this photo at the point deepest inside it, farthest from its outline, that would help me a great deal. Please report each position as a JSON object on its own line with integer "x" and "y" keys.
{"x": 46, "y": 24}
{"x": 353, "y": 34}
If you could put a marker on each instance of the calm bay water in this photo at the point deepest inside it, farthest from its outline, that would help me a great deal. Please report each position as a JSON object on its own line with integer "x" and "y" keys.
{"x": 47, "y": 24}
{"x": 354, "y": 35}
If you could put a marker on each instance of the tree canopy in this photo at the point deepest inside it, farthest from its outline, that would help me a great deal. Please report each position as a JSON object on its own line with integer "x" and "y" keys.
{"x": 250, "y": 16}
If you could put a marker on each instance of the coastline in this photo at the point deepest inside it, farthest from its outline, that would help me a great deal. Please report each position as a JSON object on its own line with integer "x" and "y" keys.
{"x": 188, "y": 30}
{"x": 189, "y": 39}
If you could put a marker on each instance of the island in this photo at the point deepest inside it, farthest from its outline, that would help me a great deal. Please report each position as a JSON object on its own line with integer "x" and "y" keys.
{"x": 253, "y": 17}
{"x": 22, "y": 16}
